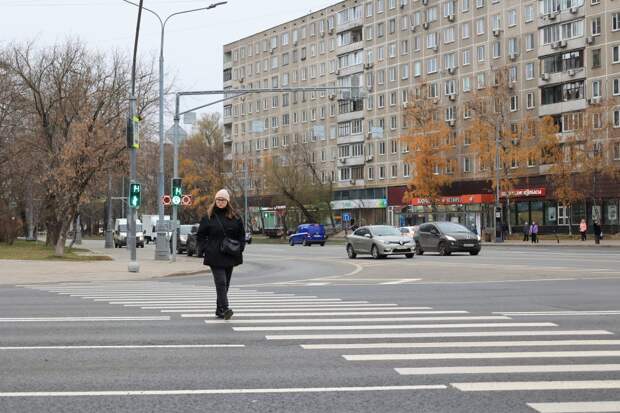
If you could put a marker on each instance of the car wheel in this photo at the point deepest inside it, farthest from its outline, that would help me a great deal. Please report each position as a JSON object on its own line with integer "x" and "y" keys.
{"x": 443, "y": 249}
{"x": 418, "y": 249}
{"x": 291, "y": 242}
{"x": 374, "y": 251}
{"x": 474, "y": 252}
{"x": 322, "y": 244}
{"x": 306, "y": 243}
{"x": 409, "y": 255}
{"x": 190, "y": 252}
{"x": 249, "y": 241}
{"x": 350, "y": 251}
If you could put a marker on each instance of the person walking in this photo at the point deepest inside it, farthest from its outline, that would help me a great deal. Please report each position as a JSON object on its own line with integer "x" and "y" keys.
{"x": 534, "y": 232}
{"x": 222, "y": 233}
{"x": 583, "y": 229}
{"x": 596, "y": 227}
{"x": 526, "y": 232}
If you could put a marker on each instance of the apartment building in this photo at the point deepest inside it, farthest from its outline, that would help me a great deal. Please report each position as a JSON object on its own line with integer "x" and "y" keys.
{"x": 561, "y": 56}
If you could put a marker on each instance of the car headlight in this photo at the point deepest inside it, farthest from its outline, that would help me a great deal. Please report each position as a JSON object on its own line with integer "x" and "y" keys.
{"x": 478, "y": 236}
{"x": 449, "y": 238}
{"x": 183, "y": 238}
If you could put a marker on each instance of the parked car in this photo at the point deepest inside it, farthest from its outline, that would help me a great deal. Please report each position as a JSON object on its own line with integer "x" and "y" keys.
{"x": 379, "y": 241}
{"x": 120, "y": 233}
{"x": 446, "y": 238}
{"x": 193, "y": 246}
{"x": 182, "y": 234}
{"x": 408, "y": 232}
{"x": 308, "y": 234}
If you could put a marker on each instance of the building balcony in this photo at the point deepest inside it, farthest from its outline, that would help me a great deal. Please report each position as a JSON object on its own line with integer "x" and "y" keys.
{"x": 561, "y": 17}
{"x": 342, "y": 140}
{"x": 352, "y": 161}
{"x": 350, "y": 183}
{"x": 228, "y": 156}
{"x": 345, "y": 117}
{"x": 562, "y": 107}
{"x": 561, "y": 77}
{"x": 349, "y": 25}
{"x": 347, "y": 71}
{"x": 227, "y": 139}
{"x": 562, "y": 46}
{"x": 350, "y": 48}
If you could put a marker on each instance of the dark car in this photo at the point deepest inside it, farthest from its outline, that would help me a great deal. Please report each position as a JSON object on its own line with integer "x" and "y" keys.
{"x": 182, "y": 236}
{"x": 446, "y": 238}
{"x": 193, "y": 246}
{"x": 308, "y": 234}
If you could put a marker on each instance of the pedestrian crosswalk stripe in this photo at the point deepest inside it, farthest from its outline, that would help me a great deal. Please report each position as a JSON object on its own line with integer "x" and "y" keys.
{"x": 286, "y": 312}
{"x": 124, "y": 347}
{"x": 538, "y": 385}
{"x": 577, "y": 407}
{"x": 223, "y": 391}
{"x": 559, "y": 313}
{"x": 507, "y": 333}
{"x": 344, "y": 320}
{"x": 464, "y": 344}
{"x": 259, "y": 306}
{"x": 248, "y": 301}
{"x": 74, "y": 319}
{"x": 467, "y": 356}
{"x": 559, "y": 368}
{"x": 395, "y": 326}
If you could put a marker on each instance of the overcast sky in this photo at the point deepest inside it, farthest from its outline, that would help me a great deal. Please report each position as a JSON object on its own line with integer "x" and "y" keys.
{"x": 193, "y": 49}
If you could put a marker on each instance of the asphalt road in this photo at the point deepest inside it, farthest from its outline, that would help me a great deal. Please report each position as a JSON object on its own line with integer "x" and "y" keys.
{"x": 511, "y": 330}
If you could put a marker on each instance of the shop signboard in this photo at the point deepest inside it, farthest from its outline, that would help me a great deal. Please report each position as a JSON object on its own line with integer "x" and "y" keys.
{"x": 524, "y": 193}
{"x": 359, "y": 204}
{"x": 455, "y": 200}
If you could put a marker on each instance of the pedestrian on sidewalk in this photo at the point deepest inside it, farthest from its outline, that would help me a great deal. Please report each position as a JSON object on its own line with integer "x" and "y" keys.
{"x": 221, "y": 232}
{"x": 597, "y": 232}
{"x": 534, "y": 232}
{"x": 526, "y": 232}
{"x": 583, "y": 229}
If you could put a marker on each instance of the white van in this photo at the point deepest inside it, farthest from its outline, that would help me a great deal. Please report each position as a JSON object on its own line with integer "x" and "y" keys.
{"x": 149, "y": 224}
{"x": 120, "y": 233}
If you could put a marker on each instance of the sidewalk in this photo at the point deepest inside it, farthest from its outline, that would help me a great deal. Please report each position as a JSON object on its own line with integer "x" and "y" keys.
{"x": 612, "y": 243}
{"x": 27, "y": 272}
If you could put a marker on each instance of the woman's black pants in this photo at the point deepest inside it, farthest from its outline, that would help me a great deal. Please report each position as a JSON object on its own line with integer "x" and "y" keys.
{"x": 221, "y": 279}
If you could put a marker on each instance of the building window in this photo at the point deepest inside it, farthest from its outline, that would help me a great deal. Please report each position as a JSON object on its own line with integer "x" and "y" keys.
{"x": 615, "y": 54}
{"x": 596, "y": 88}
{"x": 615, "y": 21}
{"x": 616, "y": 87}
{"x": 370, "y": 175}
{"x": 382, "y": 172}
{"x": 616, "y": 150}
{"x": 529, "y": 13}
{"x": 529, "y": 41}
{"x": 596, "y": 26}
{"x": 512, "y": 18}
{"x": 467, "y": 166}
{"x": 596, "y": 58}
{"x": 617, "y": 118}
{"x": 514, "y": 103}
{"x": 529, "y": 71}
{"x": 394, "y": 171}
{"x": 530, "y": 100}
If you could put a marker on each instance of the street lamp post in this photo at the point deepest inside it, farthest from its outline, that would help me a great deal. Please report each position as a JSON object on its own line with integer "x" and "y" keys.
{"x": 161, "y": 246}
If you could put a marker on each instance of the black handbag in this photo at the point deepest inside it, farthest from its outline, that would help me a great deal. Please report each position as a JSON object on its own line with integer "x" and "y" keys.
{"x": 229, "y": 246}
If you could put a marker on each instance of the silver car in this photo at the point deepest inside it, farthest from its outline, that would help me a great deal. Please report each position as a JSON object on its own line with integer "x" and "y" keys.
{"x": 379, "y": 241}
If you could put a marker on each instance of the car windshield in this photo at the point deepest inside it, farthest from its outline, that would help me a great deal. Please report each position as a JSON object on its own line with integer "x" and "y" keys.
{"x": 122, "y": 228}
{"x": 384, "y": 230}
{"x": 450, "y": 227}
{"x": 185, "y": 229}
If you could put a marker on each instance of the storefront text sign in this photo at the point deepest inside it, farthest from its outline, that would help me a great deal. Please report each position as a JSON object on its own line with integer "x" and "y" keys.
{"x": 359, "y": 204}
{"x": 521, "y": 193}
{"x": 455, "y": 200}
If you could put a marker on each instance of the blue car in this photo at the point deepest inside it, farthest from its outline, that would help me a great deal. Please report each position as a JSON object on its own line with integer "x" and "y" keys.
{"x": 308, "y": 234}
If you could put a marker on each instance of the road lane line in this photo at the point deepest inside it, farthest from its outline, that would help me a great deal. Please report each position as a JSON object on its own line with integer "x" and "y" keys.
{"x": 538, "y": 385}
{"x": 470, "y": 356}
{"x": 267, "y": 307}
{"x": 558, "y": 368}
{"x": 223, "y": 391}
{"x": 63, "y": 319}
{"x": 507, "y": 333}
{"x": 345, "y": 320}
{"x": 402, "y": 281}
{"x": 123, "y": 347}
{"x": 463, "y": 344}
{"x": 395, "y": 326}
{"x": 576, "y": 407}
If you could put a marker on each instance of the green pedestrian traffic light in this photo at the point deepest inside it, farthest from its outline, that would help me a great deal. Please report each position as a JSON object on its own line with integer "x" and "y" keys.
{"x": 177, "y": 191}
{"x": 135, "y": 195}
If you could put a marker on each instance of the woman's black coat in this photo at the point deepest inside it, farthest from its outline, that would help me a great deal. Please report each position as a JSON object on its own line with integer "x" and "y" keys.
{"x": 210, "y": 234}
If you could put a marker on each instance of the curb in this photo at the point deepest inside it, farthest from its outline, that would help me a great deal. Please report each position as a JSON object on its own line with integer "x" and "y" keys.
{"x": 184, "y": 273}
{"x": 550, "y": 245}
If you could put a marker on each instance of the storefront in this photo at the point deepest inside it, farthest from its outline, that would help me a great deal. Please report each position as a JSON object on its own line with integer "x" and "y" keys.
{"x": 362, "y": 211}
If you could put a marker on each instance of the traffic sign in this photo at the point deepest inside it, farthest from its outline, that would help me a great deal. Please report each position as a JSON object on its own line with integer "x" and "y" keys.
{"x": 166, "y": 200}
{"x": 346, "y": 217}
{"x": 186, "y": 200}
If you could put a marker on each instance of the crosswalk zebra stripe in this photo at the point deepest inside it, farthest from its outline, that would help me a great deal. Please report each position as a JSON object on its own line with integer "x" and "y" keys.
{"x": 559, "y": 368}
{"x": 507, "y": 333}
{"x": 395, "y": 326}
{"x": 538, "y": 385}
{"x": 463, "y": 344}
{"x": 344, "y": 320}
{"x": 468, "y": 356}
{"x": 243, "y": 300}
{"x": 577, "y": 407}
{"x": 286, "y": 312}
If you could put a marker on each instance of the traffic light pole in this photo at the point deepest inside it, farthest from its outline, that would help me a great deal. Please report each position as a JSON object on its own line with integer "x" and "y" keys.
{"x": 175, "y": 174}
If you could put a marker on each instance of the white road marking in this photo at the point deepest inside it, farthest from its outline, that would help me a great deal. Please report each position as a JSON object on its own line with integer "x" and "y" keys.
{"x": 559, "y": 368}
{"x": 395, "y": 326}
{"x": 315, "y": 284}
{"x": 269, "y": 306}
{"x": 470, "y": 356}
{"x": 222, "y": 391}
{"x": 463, "y": 344}
{"x": 255, "y": 312}
{"x": 439, "y": 334}
{"x": 576, "y": 407}
{"x": 538, "y": 385}
{"x": 345, "y": 320}
{"x": 403, "y": 281}
{"x": 248, "y": 301}
{"x": 63, "y": 319}
{"x": 559, "y": 313}
{"x": 124, "y": 347}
